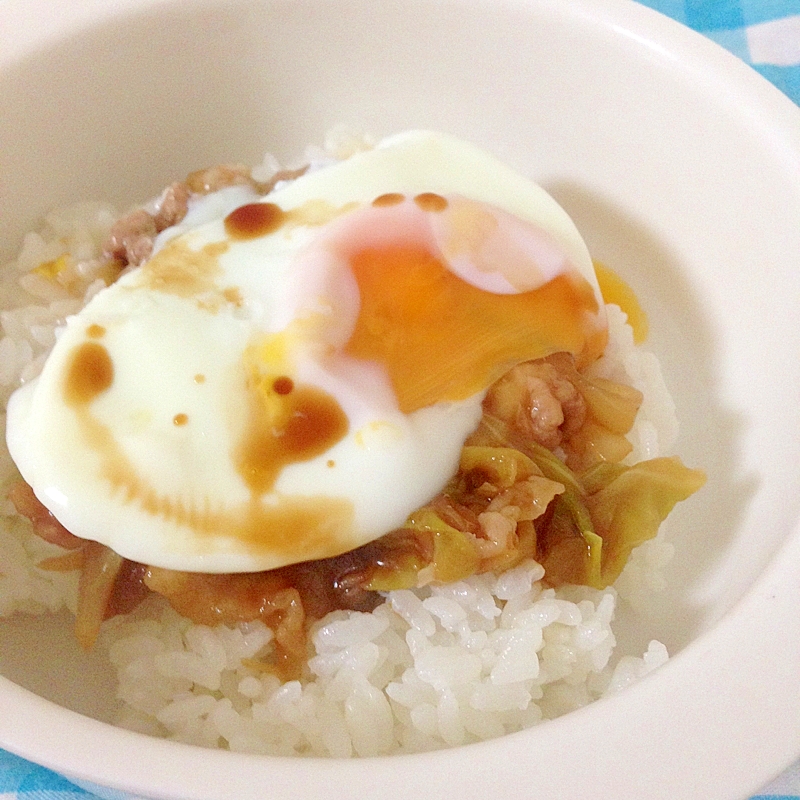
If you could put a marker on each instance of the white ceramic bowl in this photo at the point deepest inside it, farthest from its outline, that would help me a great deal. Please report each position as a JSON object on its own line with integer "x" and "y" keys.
{"x": 682, "y": 169}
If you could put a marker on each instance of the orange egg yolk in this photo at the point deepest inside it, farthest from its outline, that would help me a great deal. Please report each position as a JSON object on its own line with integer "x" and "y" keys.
{"x": 439, "y": 337}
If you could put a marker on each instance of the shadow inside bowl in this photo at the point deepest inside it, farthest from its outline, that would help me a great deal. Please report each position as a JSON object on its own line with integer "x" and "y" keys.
{"x": 703, "y": 528}
{"x": 81, "y": 681}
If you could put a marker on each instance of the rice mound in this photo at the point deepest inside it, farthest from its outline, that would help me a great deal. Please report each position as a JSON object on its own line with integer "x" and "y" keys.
{"x": 427, "y": 669}
{"x": 430, "y": 668}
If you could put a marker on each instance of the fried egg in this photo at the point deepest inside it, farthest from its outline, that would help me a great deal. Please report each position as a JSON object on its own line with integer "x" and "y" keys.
{"x": 289, "y": 377}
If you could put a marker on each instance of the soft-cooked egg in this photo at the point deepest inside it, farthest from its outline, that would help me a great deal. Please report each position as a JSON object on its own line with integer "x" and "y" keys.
{"x": 289, "y": 377}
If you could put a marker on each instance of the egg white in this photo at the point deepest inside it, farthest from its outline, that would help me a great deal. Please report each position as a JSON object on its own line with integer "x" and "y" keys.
{"x": 387, "y": 465}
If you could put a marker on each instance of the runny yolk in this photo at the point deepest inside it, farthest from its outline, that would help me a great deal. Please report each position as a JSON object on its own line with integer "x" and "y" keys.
{"x": 615, "y": 290}
{"x": 442, "y": 339}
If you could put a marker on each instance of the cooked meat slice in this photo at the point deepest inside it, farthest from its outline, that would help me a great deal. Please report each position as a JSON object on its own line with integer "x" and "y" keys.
{"x": 539, "y": 402}
{"x": 173, "y": 206}
{"x": 131, "y": 238}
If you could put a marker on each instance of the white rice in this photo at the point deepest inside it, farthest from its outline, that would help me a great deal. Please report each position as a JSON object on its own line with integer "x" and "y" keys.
{"x": 427, "y": 669}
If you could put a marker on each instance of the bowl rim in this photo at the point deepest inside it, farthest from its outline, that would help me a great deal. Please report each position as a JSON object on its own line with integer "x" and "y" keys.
{"x": 687, "y": 695}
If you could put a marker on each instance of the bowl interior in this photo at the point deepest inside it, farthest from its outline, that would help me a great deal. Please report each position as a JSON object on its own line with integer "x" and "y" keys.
{"x": 679, "y": 167}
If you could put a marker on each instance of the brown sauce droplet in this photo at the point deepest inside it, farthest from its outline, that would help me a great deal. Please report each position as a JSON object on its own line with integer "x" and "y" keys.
{"x": 253, "y": 220}
{"x": 95, "y": 331}
{"x": 283, "y": 385}
{"x": 331, "y": 463}
{"x": 390, "y": 199}
{"x": 234, "y": 296}
{"x": 429, "y": 201}
{"x": 199, "y": 378}
{"x": 90, "y": 373}
{"x": 311, "y": 422}
{"x": 180, "y": 419}
{"x": 260, "y": 219}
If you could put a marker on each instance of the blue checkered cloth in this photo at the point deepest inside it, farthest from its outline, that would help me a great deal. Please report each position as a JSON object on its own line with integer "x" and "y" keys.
{"x": 763, "y": 33}
{"x": 20, "y": 778}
